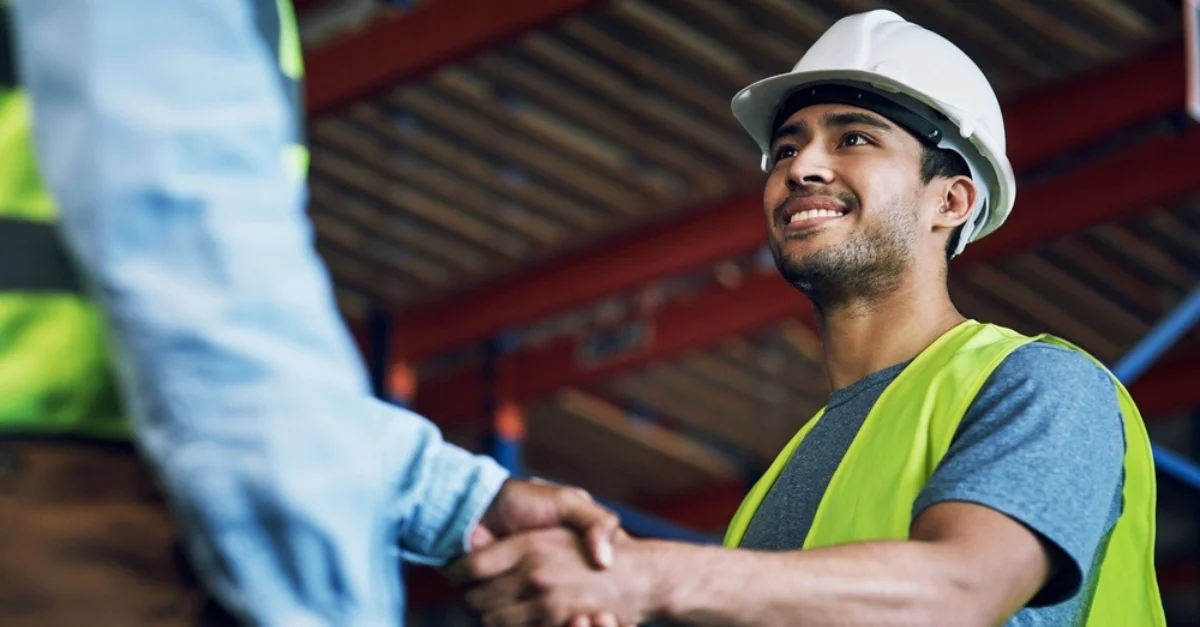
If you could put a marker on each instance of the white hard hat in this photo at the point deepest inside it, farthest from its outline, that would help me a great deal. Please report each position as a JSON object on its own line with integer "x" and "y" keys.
{"x": 880, "y": 61}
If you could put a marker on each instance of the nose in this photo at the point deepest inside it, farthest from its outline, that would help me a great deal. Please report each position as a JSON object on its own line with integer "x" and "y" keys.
{"x": 809, "y": 167}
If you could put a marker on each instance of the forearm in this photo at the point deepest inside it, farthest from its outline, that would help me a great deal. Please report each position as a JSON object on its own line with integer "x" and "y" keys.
{"x": 162, "y": 128}
{"x": 437, "y": 490}
{"x": 878, "y": 583}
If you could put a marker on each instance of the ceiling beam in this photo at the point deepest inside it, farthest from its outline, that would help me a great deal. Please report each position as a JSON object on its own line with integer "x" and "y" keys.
{"x": 761, "y": 300}
{"x": 1098, "y": 104}
{"x": 395, "y": 48}
{"x": 1156, "y": 172}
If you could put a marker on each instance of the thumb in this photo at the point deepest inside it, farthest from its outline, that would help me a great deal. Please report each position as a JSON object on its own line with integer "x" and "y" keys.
{"x": 480, "y": 537}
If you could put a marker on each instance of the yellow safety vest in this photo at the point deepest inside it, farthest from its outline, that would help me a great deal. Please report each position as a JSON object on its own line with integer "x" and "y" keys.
{"x": 909, "y": 430}
{"x": 56, "y": 375}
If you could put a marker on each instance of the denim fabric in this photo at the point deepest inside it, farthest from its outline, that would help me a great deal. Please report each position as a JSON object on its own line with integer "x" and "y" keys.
{"x": 160, "y": 128}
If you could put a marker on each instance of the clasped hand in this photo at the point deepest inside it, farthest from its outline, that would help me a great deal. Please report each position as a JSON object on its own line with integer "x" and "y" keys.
{"x": 555, "y": 576}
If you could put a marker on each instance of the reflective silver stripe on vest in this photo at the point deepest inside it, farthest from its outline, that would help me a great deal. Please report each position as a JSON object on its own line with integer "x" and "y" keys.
{"x": 33, "y": 259}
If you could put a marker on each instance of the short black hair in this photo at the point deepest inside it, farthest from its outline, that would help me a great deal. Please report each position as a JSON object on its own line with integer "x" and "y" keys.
{"x": 941, "y": 162}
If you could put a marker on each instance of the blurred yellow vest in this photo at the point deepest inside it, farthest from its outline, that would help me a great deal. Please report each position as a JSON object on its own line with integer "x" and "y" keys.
{"x": 56, "y": 373}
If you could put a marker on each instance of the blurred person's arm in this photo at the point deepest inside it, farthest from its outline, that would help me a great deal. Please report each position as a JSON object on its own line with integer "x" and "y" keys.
{"x": 161, "y": 128}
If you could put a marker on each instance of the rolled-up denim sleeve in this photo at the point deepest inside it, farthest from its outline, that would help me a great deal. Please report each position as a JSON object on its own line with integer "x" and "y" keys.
{"x": 161, "y": 128}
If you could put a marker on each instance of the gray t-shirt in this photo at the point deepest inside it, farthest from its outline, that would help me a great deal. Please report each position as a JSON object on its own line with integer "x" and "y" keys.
{"x": 1042, "y": 442}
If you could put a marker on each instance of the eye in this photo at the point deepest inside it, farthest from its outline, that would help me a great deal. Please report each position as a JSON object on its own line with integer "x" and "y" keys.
{"x": 784, "y": 152}
{"x": 855, "y": 138}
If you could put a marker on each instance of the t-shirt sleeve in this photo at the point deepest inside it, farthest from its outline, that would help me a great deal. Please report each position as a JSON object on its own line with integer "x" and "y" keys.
{"x": 1043, "y": 443}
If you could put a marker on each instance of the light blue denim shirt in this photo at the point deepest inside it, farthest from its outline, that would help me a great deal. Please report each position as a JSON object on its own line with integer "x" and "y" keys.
{"x": 160, "y": 127}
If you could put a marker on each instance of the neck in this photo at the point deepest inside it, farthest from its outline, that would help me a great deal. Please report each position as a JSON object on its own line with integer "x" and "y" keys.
{"x": 862, "y": 337}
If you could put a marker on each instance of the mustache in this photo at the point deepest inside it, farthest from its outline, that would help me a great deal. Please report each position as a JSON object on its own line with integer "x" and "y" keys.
{"x": 846, "y": 199}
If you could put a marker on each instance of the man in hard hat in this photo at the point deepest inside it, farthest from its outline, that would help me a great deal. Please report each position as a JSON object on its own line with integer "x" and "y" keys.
{"x": 165, "y": 128}
{"x": 961, "y": 474}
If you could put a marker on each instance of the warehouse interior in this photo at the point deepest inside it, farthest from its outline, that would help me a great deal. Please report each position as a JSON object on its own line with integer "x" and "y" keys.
{"x": 545, "y": 228}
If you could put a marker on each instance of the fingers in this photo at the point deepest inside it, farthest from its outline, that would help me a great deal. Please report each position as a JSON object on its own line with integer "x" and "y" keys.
{"x": 499, "y": 592}
{"x": 598, "y": 524}
{"x": 490, "y": 561}
{"x": 519, "y": 615}
{"x": 605, "y": 619}
{"x": 535, "y": 613}
{"x": 600, "y": 544}
{"x": 480, "y": 537}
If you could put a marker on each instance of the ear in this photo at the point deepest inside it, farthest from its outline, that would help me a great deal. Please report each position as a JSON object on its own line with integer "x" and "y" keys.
{"x": 957, "y": 197}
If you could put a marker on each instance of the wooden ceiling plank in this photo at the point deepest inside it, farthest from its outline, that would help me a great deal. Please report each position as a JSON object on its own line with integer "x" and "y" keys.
{"x": 336, "y": 230}
{"x": 1144, "y": 256}
{"x": 732, "y": 148}
{"x": 462, "y": 122}
{"x": 799, "y": 379}
{"x": 773, "y": 356}
{"x": 598, "y": 446}
{"x": 1064, "y": 59}
{"x": 690, "y": 42}
{"x": 508, "y": 213}
{"x": 333, "y": 228}
{"x": 1062, "y": 31}
{"x": 407, "y": 200}
{"x": 588, "y": 148}
{"x": 623, "y": 462}
{"x": 547, "y": 460}
{"x": 1040, "y": 307}
{"x": 652, "y": 72}
{"x": 1166, "y": 226}
{"x": 723, "y": 402}
{"x": 618, "y": 127}
{"x": 1048, "y": 278}
{"x": 735, "y": 379}
{"x": 372, "y": 217}
{"x": 804, "y": 18}
{"x": 391, "y": 290}
{"x": 655, "y": 437}
{"x": 1118, "y": 16}
{"x": 688, "y": 411}
{"x": 448, "y": 155}
{"x": 728, "y": 24}
{"x": 463, "y": 194}
{"x": 1102, "y": 270}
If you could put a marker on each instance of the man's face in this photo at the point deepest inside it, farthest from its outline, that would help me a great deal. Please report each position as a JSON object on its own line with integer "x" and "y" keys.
{"x": 842, "y": 202}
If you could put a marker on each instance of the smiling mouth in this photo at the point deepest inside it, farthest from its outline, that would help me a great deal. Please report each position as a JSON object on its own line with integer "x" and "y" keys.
{"x": 811, "y": 218}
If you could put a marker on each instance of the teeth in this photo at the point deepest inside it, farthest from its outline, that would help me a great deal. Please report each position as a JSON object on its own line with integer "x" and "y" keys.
{"x": 814, "y": 213}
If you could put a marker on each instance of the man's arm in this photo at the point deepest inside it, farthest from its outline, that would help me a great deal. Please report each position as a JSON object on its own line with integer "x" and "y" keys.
{"x": 161, "y": 130}
{"x": 1013, "y": 516}
{"x": 964, "y": 565}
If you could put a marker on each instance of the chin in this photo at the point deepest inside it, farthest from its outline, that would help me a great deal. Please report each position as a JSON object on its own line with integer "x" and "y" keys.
{"x": 808, "y": 241}
{"x": 797, "y": 258}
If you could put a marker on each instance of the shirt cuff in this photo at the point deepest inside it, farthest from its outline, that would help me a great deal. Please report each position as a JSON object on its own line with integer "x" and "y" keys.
{"x": 440, "y": 532}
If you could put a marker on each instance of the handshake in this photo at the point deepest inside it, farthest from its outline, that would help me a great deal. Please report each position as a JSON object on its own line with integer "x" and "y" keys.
{"x": 550, "y": 556}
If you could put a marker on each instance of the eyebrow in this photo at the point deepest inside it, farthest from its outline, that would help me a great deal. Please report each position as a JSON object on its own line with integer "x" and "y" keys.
{"x": 850, "y": 118}
{"x": 833, "y": 120}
